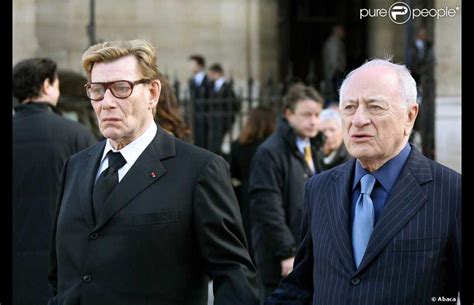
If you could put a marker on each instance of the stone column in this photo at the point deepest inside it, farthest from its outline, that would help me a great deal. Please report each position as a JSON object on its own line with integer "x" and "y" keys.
{"x": 447, "y": 46}
{"x": 25, "y": 43}
{"x": 384, "y": 36}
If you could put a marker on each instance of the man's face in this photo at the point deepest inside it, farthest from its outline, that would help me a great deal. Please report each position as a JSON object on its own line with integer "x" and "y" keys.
{"x": 333, "y": 132}
{"x": 54, "y": 92}
{"x": 194, "y": 67}
{"x": 213, "y": 75}
{"x": 376, "y": 122}
{"x": 305, "y": 118}
{"x": 124, "y": 120}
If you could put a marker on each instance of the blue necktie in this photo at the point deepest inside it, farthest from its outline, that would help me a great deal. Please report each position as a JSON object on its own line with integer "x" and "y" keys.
{"x": 363, "y": 218}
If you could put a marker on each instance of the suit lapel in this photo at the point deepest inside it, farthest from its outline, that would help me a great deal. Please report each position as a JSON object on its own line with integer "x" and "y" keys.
{"x": 145, "y": 171}
{"x": 406, "y": 199}
{"x": 338, "y": 204}
{"x": 87, "y": 180}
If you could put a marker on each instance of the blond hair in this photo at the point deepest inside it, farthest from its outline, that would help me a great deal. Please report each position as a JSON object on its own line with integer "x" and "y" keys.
{"x": 109, "y": 51}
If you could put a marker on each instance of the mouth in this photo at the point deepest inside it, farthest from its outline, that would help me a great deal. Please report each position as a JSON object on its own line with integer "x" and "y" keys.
{"x": 361, "y": 137}
{"x": 110, "y": 120}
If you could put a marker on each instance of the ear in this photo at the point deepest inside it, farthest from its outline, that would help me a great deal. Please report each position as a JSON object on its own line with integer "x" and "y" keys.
{"x": 155, "y": 90}
{"x": 288, "y": 113}
{"x": 412, "y": 114}
{"x": 45, "y": 87}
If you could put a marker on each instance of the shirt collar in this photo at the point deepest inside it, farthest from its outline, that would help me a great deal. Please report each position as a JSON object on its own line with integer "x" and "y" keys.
{"x": 218, "y": 83}
{"x": 133, "y": 150}
{"x": 302, "y": 143}
{"x": 198, "y": 78}
{"x": 386, "y": 175}
{"x": 420, "y": 44}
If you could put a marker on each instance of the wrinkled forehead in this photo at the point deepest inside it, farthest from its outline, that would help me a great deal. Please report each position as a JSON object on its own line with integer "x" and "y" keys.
{"x": 125, "y": 68}
{"x": 371, "y": 83}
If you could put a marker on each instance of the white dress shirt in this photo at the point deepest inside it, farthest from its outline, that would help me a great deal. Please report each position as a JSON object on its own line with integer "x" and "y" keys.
{"x": 218, "y": 83}
{"x": 198, "y": 78}
{"x": 130, "y": 152}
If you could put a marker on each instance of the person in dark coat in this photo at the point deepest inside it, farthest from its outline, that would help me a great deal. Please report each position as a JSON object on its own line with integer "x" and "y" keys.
{"x": 260, "y": 124}
{"x": 199, "y": 91}
{"x": 278, "y": 172}
{"x": 223, "y": 106}
{"x": 143, "y": 217}
{"x": 386, "y": 229}
{"x": 42, "y": 140}
{"x": 333, "y": 152}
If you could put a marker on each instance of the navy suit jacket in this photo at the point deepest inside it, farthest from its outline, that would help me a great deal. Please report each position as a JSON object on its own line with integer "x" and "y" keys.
{"x": 413, "y": 254}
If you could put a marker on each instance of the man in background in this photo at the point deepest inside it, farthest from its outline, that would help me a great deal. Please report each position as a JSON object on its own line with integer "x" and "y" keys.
{"x": 199, "y": 90}
{"x": 223, "y": 106}
{"x": 334, "y": 60}
{"x": 42, "y": 140}
{"x": 278, "y": 172}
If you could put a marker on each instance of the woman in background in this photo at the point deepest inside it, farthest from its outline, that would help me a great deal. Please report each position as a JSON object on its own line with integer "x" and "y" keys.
{"x": 260, "y": 124}
{"x": 167, "y": 113}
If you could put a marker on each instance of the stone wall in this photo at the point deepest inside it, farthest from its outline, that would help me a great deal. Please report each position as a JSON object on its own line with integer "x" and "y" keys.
{"x": 240, "y": 34}
{"x": 448, "y": 87}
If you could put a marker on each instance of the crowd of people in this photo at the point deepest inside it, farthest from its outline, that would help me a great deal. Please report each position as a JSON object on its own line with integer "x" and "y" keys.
{"x": 318, "y": 204}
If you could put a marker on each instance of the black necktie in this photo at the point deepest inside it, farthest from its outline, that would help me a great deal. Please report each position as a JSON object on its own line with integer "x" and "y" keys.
{"x": 107, "y": 181}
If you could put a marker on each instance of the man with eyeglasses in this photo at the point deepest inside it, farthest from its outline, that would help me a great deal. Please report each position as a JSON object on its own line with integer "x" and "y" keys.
{"x": 142, "y": 217}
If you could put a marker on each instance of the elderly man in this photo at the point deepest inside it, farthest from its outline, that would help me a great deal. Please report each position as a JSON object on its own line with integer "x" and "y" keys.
{"x": 384, "y": 228}
{"x": 142, "y": 217}
{"x": 332, "y": 152}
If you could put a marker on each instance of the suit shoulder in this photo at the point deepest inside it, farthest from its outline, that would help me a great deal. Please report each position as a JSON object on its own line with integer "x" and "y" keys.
{"x": 440, "y": 167}
{"x": 79, "y": 156}
{"x": 273, "y": 146}
{"x": 330, "y": 175}
{"x": 445, "y": 175}
{"x": 195, "y": 153}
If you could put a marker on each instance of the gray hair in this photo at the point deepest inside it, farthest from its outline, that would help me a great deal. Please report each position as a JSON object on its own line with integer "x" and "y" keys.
{"x": 330, "y": 115}
{"x": 407, "y": 83}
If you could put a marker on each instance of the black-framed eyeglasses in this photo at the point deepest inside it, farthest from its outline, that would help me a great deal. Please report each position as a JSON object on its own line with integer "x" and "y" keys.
{"x": 119, "y": 88}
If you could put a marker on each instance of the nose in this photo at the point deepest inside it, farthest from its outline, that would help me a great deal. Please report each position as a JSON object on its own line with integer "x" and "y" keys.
{"x": 314, "y": 120}
{"x": 360, "y": 117}
{"x": 109, "y": 100}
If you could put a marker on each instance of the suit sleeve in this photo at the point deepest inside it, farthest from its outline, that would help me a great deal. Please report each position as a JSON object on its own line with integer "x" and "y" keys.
{"x": 221, "y": 239}
{"x": 266, "y": 204}
{"x": 297, "y": 287}
{"x": 53, "y": 262}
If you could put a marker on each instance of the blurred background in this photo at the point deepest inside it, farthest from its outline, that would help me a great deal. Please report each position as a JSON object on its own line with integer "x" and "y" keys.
{"x": 262, "y": 45}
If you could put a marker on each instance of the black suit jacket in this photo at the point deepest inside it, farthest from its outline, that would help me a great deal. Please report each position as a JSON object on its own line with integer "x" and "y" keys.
{"x": 413, "y": 253}
{"x": 42, "y": 141}
{"x": 223, "y": 106}
{"x": 172, "y": 223}
{"x": 199, "y": 96}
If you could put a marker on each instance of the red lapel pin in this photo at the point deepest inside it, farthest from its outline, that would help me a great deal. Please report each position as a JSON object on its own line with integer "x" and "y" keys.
{"x": 153, "y": 174}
